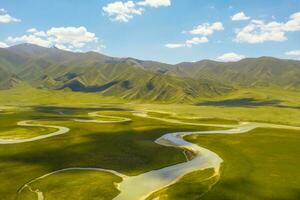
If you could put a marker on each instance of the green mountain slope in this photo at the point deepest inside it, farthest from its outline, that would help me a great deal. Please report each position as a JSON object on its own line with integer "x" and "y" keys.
{"x": 8, "y": 79}
{"x": 130, "y": 78}
{"x": 250, "y": 72}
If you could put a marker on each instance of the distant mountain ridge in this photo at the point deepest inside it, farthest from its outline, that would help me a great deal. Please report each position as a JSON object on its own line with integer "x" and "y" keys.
{"x": 131, "y": 78}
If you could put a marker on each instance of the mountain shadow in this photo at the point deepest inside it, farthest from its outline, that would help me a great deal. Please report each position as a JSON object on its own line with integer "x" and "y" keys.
{"x": 246, "y": 102}
{"x": 77, "y": 86}
{"x": 242, "y": 102}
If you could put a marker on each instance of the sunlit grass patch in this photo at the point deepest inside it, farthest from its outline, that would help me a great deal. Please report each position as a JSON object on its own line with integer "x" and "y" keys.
{"x": 73, "y": 184}
{"x": 24, "y": 133}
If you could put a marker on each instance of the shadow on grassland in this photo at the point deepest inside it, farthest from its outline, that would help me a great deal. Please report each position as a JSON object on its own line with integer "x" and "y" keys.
{"x": 73, "y": 110}
{"x": 246, "y": 102}
{"x": 125, "y": 151}
{"x": 67, "y": 113}
{"x": 246, "y": 189}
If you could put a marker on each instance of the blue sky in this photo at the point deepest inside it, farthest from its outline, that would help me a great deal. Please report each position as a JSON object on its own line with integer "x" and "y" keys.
{"x": 170, "y": 31}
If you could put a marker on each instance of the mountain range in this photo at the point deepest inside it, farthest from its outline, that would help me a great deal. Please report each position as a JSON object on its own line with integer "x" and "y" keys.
{"x": 129, "y": 78}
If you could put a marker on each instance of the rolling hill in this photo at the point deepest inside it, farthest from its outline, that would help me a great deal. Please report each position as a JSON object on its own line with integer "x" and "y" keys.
{"x": 249, "y": 72}
{"x": 129, "y": 78}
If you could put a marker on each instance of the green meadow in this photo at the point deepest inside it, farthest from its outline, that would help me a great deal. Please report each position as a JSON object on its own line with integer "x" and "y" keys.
{"x": 260, "y": 164}
{"x": 94, "y": 185}
{"x": 125, "y": 147}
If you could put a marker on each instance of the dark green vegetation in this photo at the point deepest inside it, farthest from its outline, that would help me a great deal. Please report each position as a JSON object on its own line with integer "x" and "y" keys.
{"x": 132, "y": 79}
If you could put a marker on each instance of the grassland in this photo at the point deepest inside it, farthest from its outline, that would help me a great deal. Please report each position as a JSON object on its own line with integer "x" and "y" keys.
{"x": 125, "y": 147}
{"x": 255, "y": 164}
{"x": 78, "y": 184}
{"x": 261, "y": 164}
{"x": 285, "y": 110}
{"x": 10, "y": 130}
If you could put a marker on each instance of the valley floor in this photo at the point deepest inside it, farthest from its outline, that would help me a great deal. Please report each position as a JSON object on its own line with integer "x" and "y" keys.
{"x": 259, "y": 164}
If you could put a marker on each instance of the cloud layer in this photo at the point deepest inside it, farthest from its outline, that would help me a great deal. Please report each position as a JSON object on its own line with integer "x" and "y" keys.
{"x": 202, "y": 31}
{"x": 258, "y": 31}
{"x": 239, "y": 17}
{"x": 230, "y": 57}
{"x": 207, "y": 28}
{"x": 125, "y": 11}
{"x": 67, "y": 38}
{"x": 6, "y": 18}
{"x": 188, "y": 43}
{"x": 293, "y": 53}
{"x": 122, "y": 12}
{"x": 155, "y": 3}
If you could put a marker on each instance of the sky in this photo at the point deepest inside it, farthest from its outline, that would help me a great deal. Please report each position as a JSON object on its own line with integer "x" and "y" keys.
{"x": 169, "y": 31}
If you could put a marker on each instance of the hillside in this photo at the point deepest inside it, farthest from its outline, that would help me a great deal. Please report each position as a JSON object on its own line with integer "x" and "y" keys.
{"x": 129, "y": 78}
{"x": 249, "y": 72}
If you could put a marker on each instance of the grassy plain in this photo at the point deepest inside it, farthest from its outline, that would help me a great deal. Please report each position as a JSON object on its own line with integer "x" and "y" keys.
{"x": 125, "y": 147}
{"x": 261, "y": 164}
{"x": 10, "y": 130}
{"x": 74, "y": 184}
{"x": 256, "y": 164}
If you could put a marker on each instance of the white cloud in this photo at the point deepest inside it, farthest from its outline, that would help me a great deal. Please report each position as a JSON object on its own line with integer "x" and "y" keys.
{"x": 74, "y": 36}
{"x": 155, "y": 3}
{"x": 6, "y": 18}
{"x": 293, "y": 53}
{"x": 99, "y": 49}
{"x": 3, "y": 45}
{"x": 203, "y": 30}
{"x": 239, "y": 17}
{"x": 258, "y": 31}
{"x": 230, "y": 57}
{"x": 195, "y": 41}
{"x": 40, "y": 34}
{"x": 32, "y": 30}
{"x": 29, "y": 39}
{"x": 125, "y": 11}
{"x": 35, "y": 32}
{"x": 188, "y": 43}
{"x": 67, "y": 38}
{"x": 62, "y": 47}
{"x": 207, "y": 28}
{"x": 175, "y": 45}
{"x": 122, "y": 12}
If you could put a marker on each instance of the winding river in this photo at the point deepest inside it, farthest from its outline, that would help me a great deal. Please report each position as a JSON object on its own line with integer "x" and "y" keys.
{"x": 96, "y": 114}
{"x": 141, "y": 186}
{"x": 60, "y": 130}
